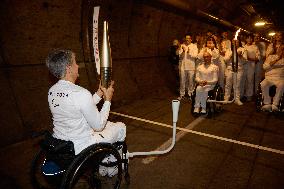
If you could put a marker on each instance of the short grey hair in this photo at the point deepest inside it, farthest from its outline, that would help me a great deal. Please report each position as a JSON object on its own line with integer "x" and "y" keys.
{"x": 57, "y": 61}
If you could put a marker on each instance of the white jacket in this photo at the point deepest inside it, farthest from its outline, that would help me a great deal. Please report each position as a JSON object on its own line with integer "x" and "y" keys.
{"x": 75, "y": 114}
{"x": 276, "y": 71}
{"x": 188, "y": 56}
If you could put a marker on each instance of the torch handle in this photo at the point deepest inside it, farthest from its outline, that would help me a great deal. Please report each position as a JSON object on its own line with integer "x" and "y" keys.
{"x": 106, "y": 73}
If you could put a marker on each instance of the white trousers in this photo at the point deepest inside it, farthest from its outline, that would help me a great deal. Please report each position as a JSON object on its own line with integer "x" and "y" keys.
{"x": 113, "y": 132}
{"x": 248, "y": 84}
{"x": 186, "y": 81}
{"x": 230, "y": 83}
{"x": 258, "y": 74}
{"x": 266, "y": 84}
{"x": 201, "y": 95}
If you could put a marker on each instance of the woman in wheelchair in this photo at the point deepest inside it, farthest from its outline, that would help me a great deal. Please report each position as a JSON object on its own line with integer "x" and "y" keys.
{"x": 76, "y": 117}
{"x": 206, "y": 79}
{"x": 274, "y": 75}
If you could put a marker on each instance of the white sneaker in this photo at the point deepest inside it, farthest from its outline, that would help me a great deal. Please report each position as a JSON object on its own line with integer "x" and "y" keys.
{"x": 196, "y": 110}
{"x": 274, "y": 108}
{"x": 266, "y": 107}
{"x": 103, "y": 170}
{"x": 238, "y": 102}
{"x": 203, "y": 111}
{"x": 110, "y": 171}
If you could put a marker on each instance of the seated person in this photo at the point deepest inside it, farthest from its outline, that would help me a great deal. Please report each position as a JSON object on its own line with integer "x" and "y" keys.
{"x": 274, "y": 75}
{"x": 75, "y": 115}
{"x": 206, "y": 78}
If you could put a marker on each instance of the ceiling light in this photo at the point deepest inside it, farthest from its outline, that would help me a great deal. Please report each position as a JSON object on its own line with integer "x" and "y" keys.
{"x": 271, "y": 33}
{"x": 259, "y": 23}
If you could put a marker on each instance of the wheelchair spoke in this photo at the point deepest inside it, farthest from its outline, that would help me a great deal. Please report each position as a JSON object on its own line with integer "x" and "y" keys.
{"x": 87, "y": 174}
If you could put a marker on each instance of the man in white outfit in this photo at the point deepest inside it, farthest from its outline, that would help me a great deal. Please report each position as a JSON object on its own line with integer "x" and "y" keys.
{"x": 274, "y": 75}
{"x": 253, "y": 56}
{"x": 226, "y": 39}
{"x": 188, "y": 52}
{"x": 75, "y": 115}
{"x": 230, "y": 80}
{"x": 259, "y": 65}
{"x": 206, "y": 78}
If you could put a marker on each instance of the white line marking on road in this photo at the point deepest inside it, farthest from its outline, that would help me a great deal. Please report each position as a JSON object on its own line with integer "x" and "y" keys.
{"x": 205, "y": 134}
{"x": 179, "y": 135}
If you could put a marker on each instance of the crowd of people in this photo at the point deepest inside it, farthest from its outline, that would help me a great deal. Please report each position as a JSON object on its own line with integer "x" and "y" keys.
{"x": 204, "y": 60}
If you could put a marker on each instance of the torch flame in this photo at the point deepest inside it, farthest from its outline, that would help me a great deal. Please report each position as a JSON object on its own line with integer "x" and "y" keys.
{"x": 237, "y": 33}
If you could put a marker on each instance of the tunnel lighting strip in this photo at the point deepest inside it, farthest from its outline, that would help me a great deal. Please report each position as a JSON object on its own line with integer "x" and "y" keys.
{"x": 204, "y": 134}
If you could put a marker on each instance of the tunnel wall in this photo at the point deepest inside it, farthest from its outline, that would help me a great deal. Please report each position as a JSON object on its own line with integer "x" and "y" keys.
{"x": 140, "y": 35}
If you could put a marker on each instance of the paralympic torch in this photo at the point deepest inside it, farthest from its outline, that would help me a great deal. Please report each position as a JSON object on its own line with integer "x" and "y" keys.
{"x": 106, "y": 61}
{"x": 235, "y": 53}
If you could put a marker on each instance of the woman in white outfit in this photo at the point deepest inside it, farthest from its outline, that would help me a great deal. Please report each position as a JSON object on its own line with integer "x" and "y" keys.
{"x": 206, "y": 78}
{"x": 75, "y": 115}
{"x": 230, "y": 82}
{"x": 188, "y": 52}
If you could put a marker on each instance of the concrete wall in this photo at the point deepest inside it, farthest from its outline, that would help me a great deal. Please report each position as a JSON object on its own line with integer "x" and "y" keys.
{"x": 139, "y": 34}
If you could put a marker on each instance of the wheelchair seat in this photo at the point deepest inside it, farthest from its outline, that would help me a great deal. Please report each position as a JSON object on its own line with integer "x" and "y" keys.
{"x": 59, "y": 154}
{"x": 57, "y": 166}
{"x": 259, "y": 98}
{"x": 211, "y": 107}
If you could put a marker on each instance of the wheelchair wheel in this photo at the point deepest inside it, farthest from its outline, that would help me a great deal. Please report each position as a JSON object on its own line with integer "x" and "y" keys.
{"x": 84, "y": 171}
{"x": 38, "y": 179}
{"x": 219, "y": 95}
{"x": 215, "y": 94}
{"x": 281, "y": 104}
{"x": 193, "y": 100}
{"x": 259, "y": 99}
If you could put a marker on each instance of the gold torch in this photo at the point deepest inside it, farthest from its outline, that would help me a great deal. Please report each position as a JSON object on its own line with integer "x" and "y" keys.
{"x": 106, "y": 62}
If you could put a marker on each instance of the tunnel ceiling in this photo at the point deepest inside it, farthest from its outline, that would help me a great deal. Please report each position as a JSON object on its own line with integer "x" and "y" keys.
{"x": 241, "y": 13}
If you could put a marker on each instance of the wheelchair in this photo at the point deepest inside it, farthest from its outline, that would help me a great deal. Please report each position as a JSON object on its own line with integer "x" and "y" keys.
{"x": 259, "y": 98}
{"x": 57, "y": 166}
{"x": 211, "y": 107}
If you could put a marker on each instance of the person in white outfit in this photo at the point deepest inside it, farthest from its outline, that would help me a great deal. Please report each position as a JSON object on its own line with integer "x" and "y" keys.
{"x": 188, "y": 52}
{"x": 253, "y": 56}
{"x": 206, "y": 78}
{"x": 259, "y": 65}
{"x": 211, "y": 46}
{"x": 230, "y": 82}
{"x": 226, "y": 40}
{"x": 75, "y": 115}
{"x": 276, "y": 43}
{"x": 274, "y": 75}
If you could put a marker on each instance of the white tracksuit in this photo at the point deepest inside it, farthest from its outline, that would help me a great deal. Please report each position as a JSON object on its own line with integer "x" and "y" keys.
{"x": 216, "y": 59}
{"x": 229, "y": 75}
{"x": 207, "y": 73}
{"x": 76, "y": 117}
{"x": 274, "y": 75}
{"x": 259, "y": 65}
{"x": 187, "y": 67}
{"x": 249, "y": 69}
